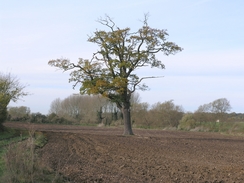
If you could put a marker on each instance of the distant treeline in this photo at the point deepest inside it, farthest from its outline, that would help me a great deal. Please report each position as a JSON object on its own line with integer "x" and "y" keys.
{"x": 94, "y": 110}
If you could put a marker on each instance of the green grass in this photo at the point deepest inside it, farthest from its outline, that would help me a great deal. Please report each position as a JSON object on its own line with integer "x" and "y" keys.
{"x": 220, "y": 127}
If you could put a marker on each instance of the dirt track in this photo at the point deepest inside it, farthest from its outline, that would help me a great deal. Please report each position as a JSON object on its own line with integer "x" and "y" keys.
{"x": 90, "y": 154}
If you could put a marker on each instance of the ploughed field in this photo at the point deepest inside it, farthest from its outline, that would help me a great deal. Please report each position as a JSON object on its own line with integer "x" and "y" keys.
{"x": 93, "y": 154}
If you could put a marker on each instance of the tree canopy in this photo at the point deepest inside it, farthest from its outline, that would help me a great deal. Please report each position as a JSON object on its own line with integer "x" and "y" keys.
{"x": 221, "y": 105}
{"x": 110, "y": 71}
{"x": 10, "y": 89}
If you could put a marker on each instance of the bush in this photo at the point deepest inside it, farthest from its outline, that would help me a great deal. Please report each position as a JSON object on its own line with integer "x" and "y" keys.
{"x": 187, "y": 122}
{"x": 40, "y": 139}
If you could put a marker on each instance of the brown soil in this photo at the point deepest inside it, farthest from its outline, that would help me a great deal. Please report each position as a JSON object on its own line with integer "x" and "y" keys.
{"x": 92, "y": 154}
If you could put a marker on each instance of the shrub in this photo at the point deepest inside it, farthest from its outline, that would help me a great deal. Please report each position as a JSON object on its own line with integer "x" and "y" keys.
{"x": 40, "y": 139}
{"x": 187, "y": 122}
{"x": 22, "y": 165}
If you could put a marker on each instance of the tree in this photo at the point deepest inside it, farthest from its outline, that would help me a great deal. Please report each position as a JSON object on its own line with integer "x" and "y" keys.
{"x": 4, "y": 100}
{"x": 221, "y": 105}
{"x": 21, "y": 113}
{"x": 168, "y": 113}
{"x": 204, "y": 108}
{"x": 55, "y": 106}
{"x": 10, "y": 89}
{"x": 79, "y": 108}
{"x": 110, "y": 72}
{"x": 214, "y": 110}
{"x": 140, "y": 115}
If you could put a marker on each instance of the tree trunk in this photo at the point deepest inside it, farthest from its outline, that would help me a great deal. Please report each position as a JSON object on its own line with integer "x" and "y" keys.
{"x": 2, "y": 129}
{"x": 3, "y": 116}
{"x": 127, "y": 119}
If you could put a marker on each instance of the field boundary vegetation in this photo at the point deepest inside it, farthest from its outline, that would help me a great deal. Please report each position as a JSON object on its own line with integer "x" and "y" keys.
{"x": 95, "y": 110}
{"x": 19, "y": 158}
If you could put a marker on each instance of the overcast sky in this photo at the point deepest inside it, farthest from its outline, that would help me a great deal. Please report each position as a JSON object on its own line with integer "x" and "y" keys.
{"x": 210, "y": 67}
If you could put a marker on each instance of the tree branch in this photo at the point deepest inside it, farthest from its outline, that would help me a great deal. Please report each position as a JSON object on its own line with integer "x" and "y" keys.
{"x": 143, "y": 78}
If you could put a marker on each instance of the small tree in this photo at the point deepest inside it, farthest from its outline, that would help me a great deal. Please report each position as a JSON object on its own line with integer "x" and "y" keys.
{"x": 110, "y": 72}
{"x": 10, "y": 89}
{"x": 4, "y": 100}
{"x": 221, "y": 106}
{"x": 214, "y": 110}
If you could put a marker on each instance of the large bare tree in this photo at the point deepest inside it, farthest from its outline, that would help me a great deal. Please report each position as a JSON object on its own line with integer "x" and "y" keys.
{"x": 110, "y": 72}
